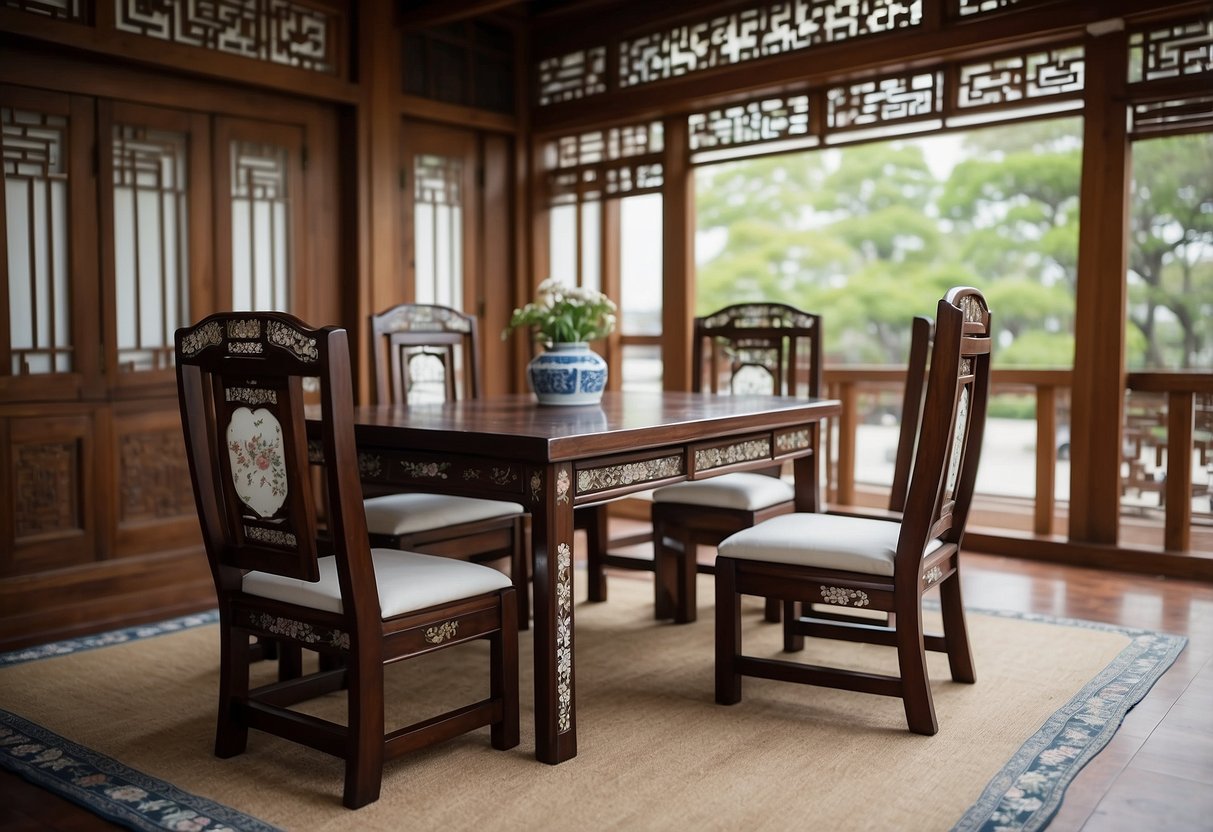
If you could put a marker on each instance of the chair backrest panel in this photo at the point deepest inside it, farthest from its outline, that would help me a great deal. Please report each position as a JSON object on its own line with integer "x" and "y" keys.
{"x": 241, "y": 389}
{"x": 952, "y": 426}
{"x": 424, "y": 352}
{"x": 768, "y": 348}
{"x": 922, "y": 331}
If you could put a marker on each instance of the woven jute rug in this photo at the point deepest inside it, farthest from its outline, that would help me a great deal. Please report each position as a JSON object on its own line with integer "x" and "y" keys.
{"x": 123, "y": 723}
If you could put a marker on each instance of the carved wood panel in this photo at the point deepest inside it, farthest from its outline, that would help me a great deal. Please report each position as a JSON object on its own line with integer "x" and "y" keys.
{"x": 47, "y": 472}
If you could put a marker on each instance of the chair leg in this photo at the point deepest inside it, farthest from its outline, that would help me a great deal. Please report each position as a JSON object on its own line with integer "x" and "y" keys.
{"x": 793, "y": 642}
{"x": 595, "y": 525}
{"x": 290, "y": 662}
{"x": 666, "y": 565}
{"x": 685, "y": 601}
{"x": 364, "y": 747}
{"x": 520, "y": 572}
{"x": 771, "y": 611}
{"x": 728, "y": 633}
{"x": 912, "y": 662}
{"x": 231, "y": 729}
{"x": 503, "y": 674}
{"x": 956, "y": 631}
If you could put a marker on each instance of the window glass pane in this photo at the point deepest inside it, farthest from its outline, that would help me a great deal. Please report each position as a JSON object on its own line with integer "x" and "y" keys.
{"x": 438, "y": 229}
{"x": 261, "y": 209}
{"x": 640, "y": 265}
{"x": 562, "y": 247}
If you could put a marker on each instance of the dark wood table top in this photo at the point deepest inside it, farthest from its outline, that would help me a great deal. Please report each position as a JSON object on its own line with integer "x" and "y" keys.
{"x": 515, "y": 426}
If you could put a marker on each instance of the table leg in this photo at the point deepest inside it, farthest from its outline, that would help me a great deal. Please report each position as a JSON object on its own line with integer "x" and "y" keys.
{"x": 552, "y": 526}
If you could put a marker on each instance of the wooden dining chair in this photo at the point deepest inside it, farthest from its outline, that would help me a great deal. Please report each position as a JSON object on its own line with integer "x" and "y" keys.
{"x": 877, "y": 564}
{"x": 424, "y": 353}
{"x": 240, "y": 380}
{"x": 764, "y": 348}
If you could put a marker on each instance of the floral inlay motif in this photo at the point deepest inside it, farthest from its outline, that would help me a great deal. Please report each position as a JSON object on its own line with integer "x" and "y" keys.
{"x": 299, "y": 630}
{"x": 275, "y": 537}
{"x": 369, "y": 466}
{"x": 564, "y": 637}
{"x": 291, "y": 339}
{"x": 752, "y": 449}
{"x": 425, "y": 470}
{"x": 207, "y": 335}
{"x": 536, "y": 486}
{"x": 597, "y": 479}
{"x": 792, "y": 441}
{"x": 933, "y": 575}
{"x": 563, "y": 481}
{"x": 844, "y": 597}
{"x": 244, "y": 329}
{"x": 441, "y": 632}
{"x": 254, "y": 446}
{"x": 251, "y": 395}
{"x": 244, "y": 347}
{"x": 502, "y": 476}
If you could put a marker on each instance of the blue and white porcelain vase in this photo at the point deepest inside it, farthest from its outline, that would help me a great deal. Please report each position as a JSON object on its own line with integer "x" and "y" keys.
{"x": 568, "y": 373}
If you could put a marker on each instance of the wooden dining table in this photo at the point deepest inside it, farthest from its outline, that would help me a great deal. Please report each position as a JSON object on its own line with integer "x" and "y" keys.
{"x": 554, "y": 459}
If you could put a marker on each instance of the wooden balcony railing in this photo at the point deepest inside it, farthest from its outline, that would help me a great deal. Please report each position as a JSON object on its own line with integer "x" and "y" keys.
{"x": 1187, "y": 426}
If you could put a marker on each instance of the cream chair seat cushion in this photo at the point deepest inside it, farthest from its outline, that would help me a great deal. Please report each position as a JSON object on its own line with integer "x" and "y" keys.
{"x": 827, "y": 541}
{"x": 407, "y": 581}
{"x": 408, "y": 513}
{"x": 747, "y": 492}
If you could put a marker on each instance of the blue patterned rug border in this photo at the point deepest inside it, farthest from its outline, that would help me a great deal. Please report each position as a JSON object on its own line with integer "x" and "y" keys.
{"x": 1024, "y": 795}
{"x": 108, "y": 639}
{"x": 1027, "y": 792}
{"x": 109, "y": 788}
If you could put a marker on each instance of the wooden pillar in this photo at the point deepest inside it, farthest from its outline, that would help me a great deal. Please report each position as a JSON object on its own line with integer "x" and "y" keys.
{"x": 1099, "y": 327}
{"x": 378, "y": 184}
{"x": 678, "y": 257}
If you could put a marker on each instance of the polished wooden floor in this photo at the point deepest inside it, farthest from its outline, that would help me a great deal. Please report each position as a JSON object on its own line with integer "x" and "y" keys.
{"x": 1157, "y": 773}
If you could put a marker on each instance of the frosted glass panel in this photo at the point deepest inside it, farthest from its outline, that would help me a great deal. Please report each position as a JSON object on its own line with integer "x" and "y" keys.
{"x": 438, "y": 230}
{"x": 261, "y": 211}
{"x": 150, "y": 244}
{"x": 36, "y": 230}
{"x": 591, "y": 245}
{"x": 640, "y": 267}
{"x": 562, "y": 250}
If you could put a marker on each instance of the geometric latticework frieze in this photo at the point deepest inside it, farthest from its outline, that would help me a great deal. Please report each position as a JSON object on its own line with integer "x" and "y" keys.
{"x": 748, "y": 34}
{"x": 1182, "y": 115}
{"x": 154, "y": 475}
{"x": 1171, "y": 51}
{"x": 764, "y": 120}
{"x": 294, "y": 34}
{"x": 883, "y": 101}
{"x": 968, "y": 8}
{"x": 599, "y": 164}
{"x": 572, "y": 76}
{"x": 46, "y": 480}
{"x": 1020, "y": 77}
{"x": 57, "y": 9}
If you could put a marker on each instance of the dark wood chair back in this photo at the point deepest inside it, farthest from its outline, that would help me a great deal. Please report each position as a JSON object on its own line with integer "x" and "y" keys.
{"x": 424, "y": 352}
{"x": 952, "y": 429}
{"x": 764, "y": 348}
{"x": 922, "y": 331}
{"x": 240, "y": 382}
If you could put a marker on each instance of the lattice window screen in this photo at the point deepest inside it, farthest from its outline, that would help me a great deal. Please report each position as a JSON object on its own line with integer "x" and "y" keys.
{"x": 36, "y": 214}
{"x": 261, "y": 243}
{"x": 151, "y": 244}
{"x": 280, "y": 31}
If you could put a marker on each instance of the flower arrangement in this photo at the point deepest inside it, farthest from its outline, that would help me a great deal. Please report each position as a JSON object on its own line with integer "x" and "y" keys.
{"x": 563, "y": 314}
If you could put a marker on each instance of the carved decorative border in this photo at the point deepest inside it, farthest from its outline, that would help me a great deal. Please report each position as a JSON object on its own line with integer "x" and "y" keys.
{"x": 795, "y": 440}
{"x": 425, "y": 470}
{"x": 299, "y": 630}
{"x": 199, "y": 338}
{"x": 292, "y": 340}
{"x": 843, "y": 597}
{"x": 251, "y": 395}
{"x": 274, "y": 537}
{"x": 564, "y": 638}
{"x": 708, "y": 458}
{"x": 612, "y": 476}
